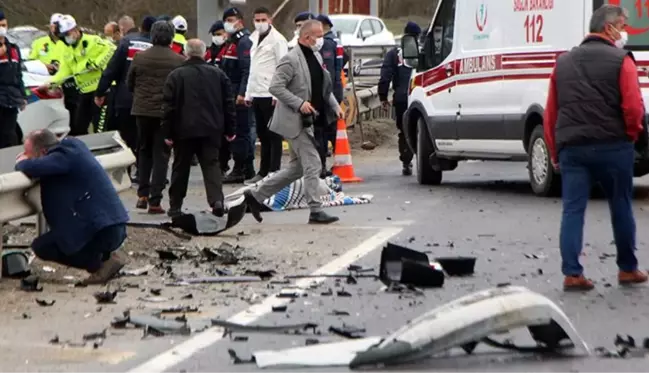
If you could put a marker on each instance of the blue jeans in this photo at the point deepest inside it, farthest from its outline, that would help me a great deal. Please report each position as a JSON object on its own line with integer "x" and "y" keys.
{"x": 611, "y": 166}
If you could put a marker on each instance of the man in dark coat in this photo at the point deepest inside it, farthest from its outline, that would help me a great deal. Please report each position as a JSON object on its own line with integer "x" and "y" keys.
{"x": 394, "y": 71}
{"x": 87, "y": 220}
{"x": 146, "y": 79}
{"x": 12, "y": 88}
{"x": 199, "y": 111}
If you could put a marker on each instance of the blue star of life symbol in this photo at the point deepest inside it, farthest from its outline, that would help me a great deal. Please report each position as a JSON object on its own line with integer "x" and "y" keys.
{"x": 482, "y": 11}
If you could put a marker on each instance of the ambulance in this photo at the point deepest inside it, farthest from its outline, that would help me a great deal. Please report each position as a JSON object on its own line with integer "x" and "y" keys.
{"x": 482, "y": 78}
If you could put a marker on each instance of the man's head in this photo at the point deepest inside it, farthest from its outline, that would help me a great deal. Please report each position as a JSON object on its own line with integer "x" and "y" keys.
{"x": 111, "y": 31}
{"x": 54, "y": 23}
{"x": 70, "y": 32}
{"x": 300, "y": 18}
{"x": 126, "y": 24}
{"x": 4, "y": 25}
{"x": 232, "y": 20}
{"x": 180, "y": 24}
{"x": 327, "y": 25}
{"x": 147, "y": 24}
{"x": 263, "y": 20}
{"x": 39, "y": 142}
{"x": 162, "y": 33}
{"x": 219, "y": 36}
{"x": 311, "y": 34}
{"x": 412, "y": 29}
{"x": 610, "y": 22}
{"x": 195, "y": 48}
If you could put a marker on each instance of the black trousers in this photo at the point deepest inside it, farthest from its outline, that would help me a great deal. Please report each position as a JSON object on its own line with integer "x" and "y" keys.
{"x": 87, "y": 113}
{"x": 90, "y": 257}
{"x": 331, "y": 132}
{"x": 224, "y": 156}
{"x": 405, "y": 154}
{"x": 207, "y": 151}
{"x": 153, "y": 160}
{"x": 126, "y": 124}
{"x": 8, "y": 127}
{"x": 111, "y": 123}
{"x": 71, "y": 100}
{"x": 271, "y": 143}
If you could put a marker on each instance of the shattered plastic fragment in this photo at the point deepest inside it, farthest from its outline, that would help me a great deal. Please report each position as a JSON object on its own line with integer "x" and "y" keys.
{"x": 142, "y": 271}
{"x": 45, "y": 303}
{"x": 94, "y": 336}
{"x": 348, "y": 331}
{"x": 105, "y": 297}
{"x": 230, "y": 327}
{"x": 179, "y": 309}
{"x": 343, "y": 293}
{"x": 237, "y": 360}
{"x": 240, "y": 338}
{"x": 279, "y": 308}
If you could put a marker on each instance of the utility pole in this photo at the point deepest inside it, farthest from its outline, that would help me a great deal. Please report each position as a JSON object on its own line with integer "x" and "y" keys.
{"x": 208, "y": 11}
{"x": 314, "y": 6}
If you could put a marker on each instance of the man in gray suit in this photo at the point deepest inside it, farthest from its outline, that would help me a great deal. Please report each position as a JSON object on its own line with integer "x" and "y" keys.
{"x": 304, "y": 93}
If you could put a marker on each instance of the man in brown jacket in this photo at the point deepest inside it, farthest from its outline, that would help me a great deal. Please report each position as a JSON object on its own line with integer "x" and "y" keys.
{"x": 146, "y": 79}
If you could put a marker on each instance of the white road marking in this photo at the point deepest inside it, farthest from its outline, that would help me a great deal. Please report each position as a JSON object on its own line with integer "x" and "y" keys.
{"x": 185, "y": 350}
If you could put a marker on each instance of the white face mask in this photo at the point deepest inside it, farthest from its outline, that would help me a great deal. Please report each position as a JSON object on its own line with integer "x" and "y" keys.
{"x": 3, "y": 31}
{"x": 70, "y": 40}
{"x": 218, "y": 39}
{"x": 318, "y": 44}
{"x": 296, "y": 33}
{"x": 624, "y": 38}
{"x": 229, "y": 27}
{"x": 262, "y": 27}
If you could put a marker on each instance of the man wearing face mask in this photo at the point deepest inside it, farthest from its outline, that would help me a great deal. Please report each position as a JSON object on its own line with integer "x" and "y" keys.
{"x": 215, "y": 52}
{"x": 47, "y": 48}
{"x": 12, "y": 90}
{"x": 85, "y": 59}
{"x": 299, "y": 20}
{"x": 236, "y": 64}
{"x": 305, "y": 99}
{"x": 594, "y": 114}
{"x": 268, "y": 48}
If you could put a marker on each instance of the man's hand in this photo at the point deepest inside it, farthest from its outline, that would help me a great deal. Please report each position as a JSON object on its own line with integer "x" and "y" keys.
{"x": 230, "y": 138}
{"x": 248, "y": 103}
{"x": 99, "y": 101}
{"x": 21, "y": 157}
{"x": 169, "y": 142}
{"x": 50, "y": 68}
{"x": 306, "y": 108}
{"x": 241, "y": 100}
{"x": 23, "y": 106}
{"x": 386, "y": 104}
{"x": 340, "y": 113}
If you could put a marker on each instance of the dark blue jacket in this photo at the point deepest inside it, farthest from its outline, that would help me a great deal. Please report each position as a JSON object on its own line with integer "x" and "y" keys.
{"x": 78, "y": 197}
{"x": 118, "y": 66}
{"x": 12, "y": 88}
{"x": 394, "y": 71}
{"x": 236, "y": 61}
{"x": 332, "y": 58}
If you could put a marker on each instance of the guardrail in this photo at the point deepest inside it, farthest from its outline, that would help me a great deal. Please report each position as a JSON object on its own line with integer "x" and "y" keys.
{"x": 20, "y": 195}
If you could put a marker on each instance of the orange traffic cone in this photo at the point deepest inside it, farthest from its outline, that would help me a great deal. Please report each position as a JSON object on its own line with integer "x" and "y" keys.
{"x": 343, "y": 167}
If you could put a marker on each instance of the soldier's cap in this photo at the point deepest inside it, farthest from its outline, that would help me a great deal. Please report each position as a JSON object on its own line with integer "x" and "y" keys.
{"x": 67, "y": 23}
{"x": 147, "y": 23}
{"x": 217, "y": 26}
{"x": 2, "y": 15}
{"x": 303, "y": 16}
{"x": 412, "y": 28}
{"x": 231, "y": 12}
{"x": 325, "y": 20}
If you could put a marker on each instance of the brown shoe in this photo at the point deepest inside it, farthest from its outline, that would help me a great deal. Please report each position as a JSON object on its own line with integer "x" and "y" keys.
{"x": 631, "y": 278}
{"x": 156, "y": 210}
{"x": 109, "y": 269}
{"x": 142, "y": 203}
{"x": 577, "y": 283}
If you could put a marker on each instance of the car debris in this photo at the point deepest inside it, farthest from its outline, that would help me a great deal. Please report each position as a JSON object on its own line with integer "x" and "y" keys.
{"x": 105, "y": 297}
{"x": 291, "y": 293}
{"x": 15, "y": 263}
{"x": 152, "y": 325}
{"x": 204, "y": 223}
{"x": 263, "y": 274}
{"x": 45, "y": 303}
{"x": 150, "y": 299}
{"x": 224, "y": 254}
{"x": 142, "y": 271}
{"x": 187, "y": 296}
{"x": 155, "y": 291}
{"x": 347, "y": 331}
{"x": 338, "y": 313}
{"x": 327, "y": 293}
{"x": 94, "y": 336}
{"x": 311, "y": 341}
{"x": 409, "y": 267}
{"x": 240, "y": 338}
{"x": 236, "y": 360}
{"x": 168, "y": 255}
{"x": 458, "y": 265}
{"x": 215, "y": 280}
{"x": 30, "y": 284}
{"x": 279, "y": 308}
{"x": 230, "y": 327}
{"x": 343, "y": 293}
{"x": 179, "y": 309}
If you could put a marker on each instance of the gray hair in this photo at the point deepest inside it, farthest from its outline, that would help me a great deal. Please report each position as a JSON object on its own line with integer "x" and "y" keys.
{"x": 162, "y": 33}
{"x": 308, "y": 27}
{"x": 607, "y": 14}
{"x": 42, "y": 140}
{"x": 195, "y": 48}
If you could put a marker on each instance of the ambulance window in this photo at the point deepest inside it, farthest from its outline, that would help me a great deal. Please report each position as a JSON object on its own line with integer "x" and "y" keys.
{"x": 439, "y": 41}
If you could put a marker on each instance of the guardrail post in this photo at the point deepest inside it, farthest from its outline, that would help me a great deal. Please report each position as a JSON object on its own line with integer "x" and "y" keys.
{"x": 41, "y": 224}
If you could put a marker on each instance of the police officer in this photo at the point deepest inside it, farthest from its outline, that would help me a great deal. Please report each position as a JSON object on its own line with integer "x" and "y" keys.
{"x": 219, "y": 37}
{"x": 84, "y": 59}
{"x": 299, "y": 20}
{"x": 180, "y": 24}
{"x": 13, "y": 96}
{"x": 116, "y": 71}
{"x": 396, "y": 72}
{"x": 236, "y": 64}
{"x": 332, "y": 57}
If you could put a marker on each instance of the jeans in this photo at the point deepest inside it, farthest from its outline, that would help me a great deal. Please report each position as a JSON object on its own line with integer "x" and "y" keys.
{"x": 90, "y": 257}
{"x": 611, "y": 166}
{"x": 153, "y": 159}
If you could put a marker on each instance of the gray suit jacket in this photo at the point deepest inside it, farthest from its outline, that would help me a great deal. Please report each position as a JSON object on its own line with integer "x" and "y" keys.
{"x": 291, "y": 86}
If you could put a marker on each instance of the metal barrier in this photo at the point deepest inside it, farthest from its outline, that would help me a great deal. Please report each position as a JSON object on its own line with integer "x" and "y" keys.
{"x": 20, "y": 195}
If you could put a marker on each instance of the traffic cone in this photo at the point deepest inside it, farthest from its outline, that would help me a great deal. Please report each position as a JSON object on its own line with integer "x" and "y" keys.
{"x": 343, "y": 167}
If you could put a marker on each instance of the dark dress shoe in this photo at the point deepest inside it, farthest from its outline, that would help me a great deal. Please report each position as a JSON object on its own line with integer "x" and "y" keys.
{"x": 322, "y": 217}
{"x": 218, "y": 210}
{"x": 254, "y": 205}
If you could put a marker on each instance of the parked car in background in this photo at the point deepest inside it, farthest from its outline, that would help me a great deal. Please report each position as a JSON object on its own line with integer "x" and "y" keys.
{"x": 23, "y": 36}
{"x": 361, "y": 30}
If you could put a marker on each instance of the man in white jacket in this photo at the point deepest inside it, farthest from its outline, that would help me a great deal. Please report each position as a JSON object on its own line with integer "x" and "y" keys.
{"x": 268, "y": 47}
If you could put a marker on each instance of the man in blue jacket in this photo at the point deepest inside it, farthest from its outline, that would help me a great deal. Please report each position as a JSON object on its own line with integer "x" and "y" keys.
{"x": 236, "y": 65}
{"x": 87, "y": 220}
{"x": 396, "y": 72}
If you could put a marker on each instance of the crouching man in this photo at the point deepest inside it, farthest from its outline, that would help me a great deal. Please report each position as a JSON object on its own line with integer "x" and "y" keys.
{"x": 87, "y": 220}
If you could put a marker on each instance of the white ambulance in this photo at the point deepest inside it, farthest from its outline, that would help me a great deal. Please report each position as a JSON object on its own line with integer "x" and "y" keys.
{"x": 482, "y": 79}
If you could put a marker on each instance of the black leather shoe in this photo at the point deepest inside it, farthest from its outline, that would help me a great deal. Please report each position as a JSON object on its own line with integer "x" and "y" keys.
{"x": 218, "y": 210}
{"x": 406, "y": 170}
{"x": 322, "y": 217}
{"x": 253, "y": 205}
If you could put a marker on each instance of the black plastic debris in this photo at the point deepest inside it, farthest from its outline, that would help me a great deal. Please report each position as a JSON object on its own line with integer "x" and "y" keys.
{"x": 358, "y": 269}
{"x": 15, "y": 264}
{"x": 397, "y": 288}
{"x": 26, "y": 316}
{"x": 155, "y": 291}
{"x": 223, "y": 272}
{"x": 237, "y": 360}
{"x": 457, "y": 266}
{"x": 289, "y": 294}
{"x": 230, "y": 327}
{"x": 351, "y": 280}
{"x": 279, "y": 308}
{"x": 55, "y": 340}
{"x": 45, "y": 303}
{"x": 343, "y": 293}
{"x": 120, "y": 322}
{"x": 628, "y": 342}
{"x": 167, "y": 255}
{"x": 311, "y": 341}
{"x": 181, "y": 318}
{"x": 94, "y": 336}
{"x": 410, "y": 267}
{"x": 264, "y": 274}
{"x": 240, "y": 338}
{"x": 347, "y": 331}
{"x": 187, "y": 296}
{"x": 149, "y": 330}
{"x": 180, "y": 309}
{"x": 339, "y": 313}
{"x": 224, "y": 254}
{"x": 30, "y": 284}
{"x": 327, "y": 293}
{"x": 105, "y": 297}
{"x": 503, "y": 284}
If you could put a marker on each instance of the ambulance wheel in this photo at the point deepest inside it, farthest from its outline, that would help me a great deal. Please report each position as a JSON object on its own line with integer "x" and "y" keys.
{"x": 545, "y": 180}
{"x": 425, "y": 173}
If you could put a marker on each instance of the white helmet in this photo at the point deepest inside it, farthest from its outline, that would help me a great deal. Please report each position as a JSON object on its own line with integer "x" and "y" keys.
{"x": 180, "y": 23}
{"x": 67, "y": 23}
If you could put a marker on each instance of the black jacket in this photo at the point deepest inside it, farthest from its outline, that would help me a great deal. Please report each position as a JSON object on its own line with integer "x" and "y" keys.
{"x": 588, "y": 94}
{"x": 394, "y": 71}
{"x": 198, "y": 102}
{"x": 12, "y": 87}
{"x": 118, "y": 67}
{"x": 332, "y": 58}
{"x": 236, "y": 61}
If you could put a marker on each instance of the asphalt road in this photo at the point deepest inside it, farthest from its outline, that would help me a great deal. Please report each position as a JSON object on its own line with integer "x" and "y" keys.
{"x": 482, "y": 209}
